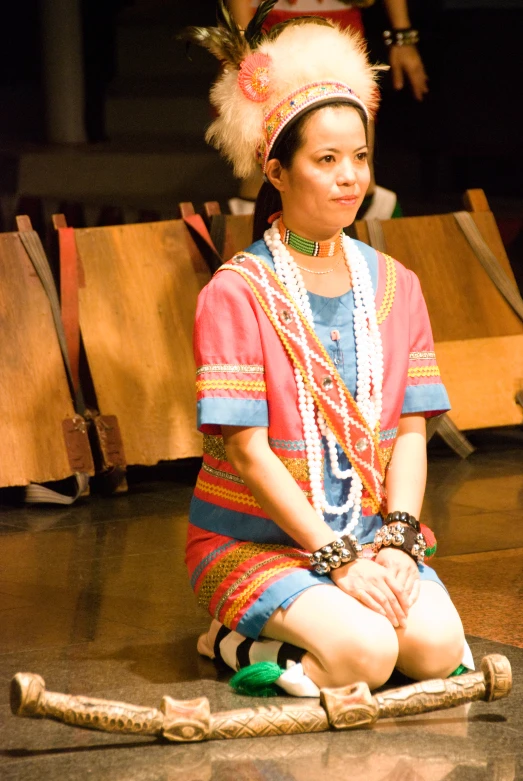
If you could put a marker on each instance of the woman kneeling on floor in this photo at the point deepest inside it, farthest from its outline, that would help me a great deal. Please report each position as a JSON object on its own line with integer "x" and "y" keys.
{"x": 315, "y": 374}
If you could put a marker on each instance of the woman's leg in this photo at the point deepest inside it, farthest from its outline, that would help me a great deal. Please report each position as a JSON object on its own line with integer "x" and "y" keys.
{"x": 432, "y": 642}
{"x": 345, "y": 641}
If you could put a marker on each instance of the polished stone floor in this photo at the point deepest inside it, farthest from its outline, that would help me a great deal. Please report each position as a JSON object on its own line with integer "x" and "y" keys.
{"x": 95, "y": 599}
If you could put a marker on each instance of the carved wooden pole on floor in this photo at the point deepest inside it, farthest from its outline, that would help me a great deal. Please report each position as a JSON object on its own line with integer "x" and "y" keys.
{"x": 187, "y": 721}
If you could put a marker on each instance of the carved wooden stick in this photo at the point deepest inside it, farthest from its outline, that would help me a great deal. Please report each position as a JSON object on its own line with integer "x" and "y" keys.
{"x": 191, "y": 720}
{"x": 492, "y": 682}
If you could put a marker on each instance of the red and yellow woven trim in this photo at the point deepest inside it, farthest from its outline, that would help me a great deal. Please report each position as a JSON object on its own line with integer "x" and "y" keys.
{"x": 233, "y": 581}
{"x": 231, "y": 381}
{"x": 234, "y": 496}
{"x": 423, "y": 368}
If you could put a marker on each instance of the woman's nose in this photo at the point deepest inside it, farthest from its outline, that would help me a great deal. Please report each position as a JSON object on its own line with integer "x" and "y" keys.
{"x": 345, "y": 173}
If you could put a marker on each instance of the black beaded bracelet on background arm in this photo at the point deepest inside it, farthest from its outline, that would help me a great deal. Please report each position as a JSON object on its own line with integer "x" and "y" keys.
{"x": 341, "y": 551}
{"x": 406, "y": 36}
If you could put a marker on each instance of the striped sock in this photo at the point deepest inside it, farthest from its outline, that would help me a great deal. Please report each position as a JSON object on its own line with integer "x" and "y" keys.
{"x": 237, "y": 652}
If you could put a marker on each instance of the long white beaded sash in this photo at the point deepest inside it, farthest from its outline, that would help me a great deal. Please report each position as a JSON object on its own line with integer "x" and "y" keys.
{"x": 320, "y": 375}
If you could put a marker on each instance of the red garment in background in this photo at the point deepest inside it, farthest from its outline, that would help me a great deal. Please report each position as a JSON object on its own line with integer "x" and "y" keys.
{"x": 345, "y": 16}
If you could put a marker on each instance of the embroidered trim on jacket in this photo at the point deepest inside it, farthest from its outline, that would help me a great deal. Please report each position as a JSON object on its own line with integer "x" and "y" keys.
{"x": 424, "y": 355}
{"x": 231, "y": 368}
{"x": 226, "y": 493}
{"x": 248, "y": 385}
{"x": 424, "y": 371}
{"x": 297, "y": 467}
{"x": 288, "y": 444}
{"x": 390, "y": 290}
{"x": 220, "y": 473}
{"x": 214, "y": 446}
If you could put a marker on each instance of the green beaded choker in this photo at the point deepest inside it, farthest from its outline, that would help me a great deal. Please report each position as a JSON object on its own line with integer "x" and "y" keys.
{"x": 316, "y": 249}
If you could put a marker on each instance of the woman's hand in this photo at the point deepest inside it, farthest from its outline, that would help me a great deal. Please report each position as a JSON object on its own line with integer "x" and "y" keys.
{"x": 404, "y": 569}
{"x": 376, "y": 587}
{"x": 405, "y": 60}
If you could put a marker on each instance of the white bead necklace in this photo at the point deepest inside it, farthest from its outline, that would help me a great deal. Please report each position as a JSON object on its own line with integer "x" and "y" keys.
{"x": 369, "y": 365}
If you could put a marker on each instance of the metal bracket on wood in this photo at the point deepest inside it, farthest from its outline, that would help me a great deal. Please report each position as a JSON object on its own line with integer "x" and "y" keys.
{"x": 450, "y": 434}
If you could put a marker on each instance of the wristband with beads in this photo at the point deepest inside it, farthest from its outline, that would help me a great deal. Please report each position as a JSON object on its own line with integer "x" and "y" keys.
{"x": 341, "y": 551}
{"x": 403, "y": 538}
{"x": 400, "y": 517}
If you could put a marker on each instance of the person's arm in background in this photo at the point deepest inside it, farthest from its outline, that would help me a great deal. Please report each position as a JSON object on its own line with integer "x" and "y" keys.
{"x": 404, "y": 60}
{"x": 242, "y": 11}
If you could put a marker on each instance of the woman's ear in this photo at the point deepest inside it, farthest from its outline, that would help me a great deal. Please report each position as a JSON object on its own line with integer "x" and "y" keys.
{"x": 274, "y": 173}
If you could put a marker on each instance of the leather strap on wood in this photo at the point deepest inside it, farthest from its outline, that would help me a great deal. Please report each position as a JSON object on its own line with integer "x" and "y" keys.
{"x": 450, "y": 434}
{"x": 202, "y": 237}
{"x": 218, "y": 232}
{"x": 490, "y": 263}
{"x": 376, "y": 235}
{"x": 74, "y": 429}
{"x": 33, "y": 246}
{"x": 69, "y": 299}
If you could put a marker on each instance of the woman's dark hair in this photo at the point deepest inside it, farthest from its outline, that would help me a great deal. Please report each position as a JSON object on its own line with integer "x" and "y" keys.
{"x": 292, "y": 138}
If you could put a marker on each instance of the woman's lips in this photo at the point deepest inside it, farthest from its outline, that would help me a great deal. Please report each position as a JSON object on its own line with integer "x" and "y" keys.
{"x": 348, "y": 200}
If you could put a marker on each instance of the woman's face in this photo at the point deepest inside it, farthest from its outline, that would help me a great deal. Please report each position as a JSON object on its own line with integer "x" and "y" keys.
{"x": 323, "y": 189}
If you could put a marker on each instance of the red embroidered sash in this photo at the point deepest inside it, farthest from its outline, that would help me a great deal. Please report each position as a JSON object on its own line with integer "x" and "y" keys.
{"x": 320, "y": 375}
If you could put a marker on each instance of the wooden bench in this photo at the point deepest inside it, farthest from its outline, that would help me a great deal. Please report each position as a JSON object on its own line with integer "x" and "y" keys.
{"x": 137, "y": 300}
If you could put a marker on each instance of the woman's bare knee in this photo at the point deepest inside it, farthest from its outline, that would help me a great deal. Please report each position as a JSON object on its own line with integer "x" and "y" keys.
{"x": 367, "y": 653}
{"x": 431, "y": 645}
{"x": 346, "y": 642}
{"x": 432, "y": 657}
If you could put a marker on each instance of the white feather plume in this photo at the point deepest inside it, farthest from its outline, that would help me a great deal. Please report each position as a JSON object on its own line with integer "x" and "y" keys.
{"x": 302, "y": 54}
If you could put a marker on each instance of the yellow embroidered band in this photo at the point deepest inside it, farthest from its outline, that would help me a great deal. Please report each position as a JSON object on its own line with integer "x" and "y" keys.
{"x": 299, "y": 101}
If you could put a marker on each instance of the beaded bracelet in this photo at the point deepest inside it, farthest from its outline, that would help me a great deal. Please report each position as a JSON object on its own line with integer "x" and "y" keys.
{"x": 408, "y": 36}
{"x": 399, "y": 517}
{"x": 341, "y": 551}
{"x": 404, "y": 538}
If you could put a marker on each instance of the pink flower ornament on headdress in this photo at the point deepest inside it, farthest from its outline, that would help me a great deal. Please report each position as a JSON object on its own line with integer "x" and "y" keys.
{"x": 254, "y": 77}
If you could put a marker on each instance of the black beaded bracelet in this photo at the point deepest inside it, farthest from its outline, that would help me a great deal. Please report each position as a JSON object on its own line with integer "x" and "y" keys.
{"x": 404, "y": 538}
{"x": 341, "y": 551}
{"x": 408, "y": 36}
{"x": 402, "y": 517}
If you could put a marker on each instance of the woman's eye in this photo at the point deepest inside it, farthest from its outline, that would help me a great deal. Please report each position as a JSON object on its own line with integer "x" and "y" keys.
{"x": 328, "y": 158}
{"x": 362, "y": 156}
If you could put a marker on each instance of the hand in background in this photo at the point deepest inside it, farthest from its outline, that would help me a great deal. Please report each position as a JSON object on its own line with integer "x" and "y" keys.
{"x": 406, "y": 61}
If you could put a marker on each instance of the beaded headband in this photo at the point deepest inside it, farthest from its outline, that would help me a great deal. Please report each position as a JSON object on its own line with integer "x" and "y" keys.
{"x": 298, "y": 102}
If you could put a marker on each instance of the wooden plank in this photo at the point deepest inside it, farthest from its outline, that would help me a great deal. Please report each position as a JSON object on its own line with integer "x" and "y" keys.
{"x": 211, "y": 208}
{"x": 482, "y": 377}
{"x": 34, "y": 394}
{"x": 136, "y": 315}
{"x": 462, "y": 301}
{"x": 186, "y": 209}
{"x": 238, "y": 234}
{"x": 476, "y": 201}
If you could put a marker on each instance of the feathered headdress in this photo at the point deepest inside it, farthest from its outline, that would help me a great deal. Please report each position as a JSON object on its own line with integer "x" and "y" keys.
{"x": 269, "y": 80}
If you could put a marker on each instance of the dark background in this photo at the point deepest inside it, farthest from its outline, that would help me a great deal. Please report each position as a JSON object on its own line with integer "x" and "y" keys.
{"x": 466, "y": 133}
